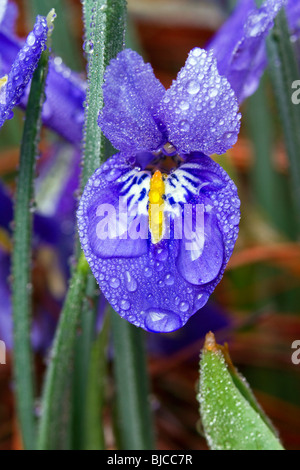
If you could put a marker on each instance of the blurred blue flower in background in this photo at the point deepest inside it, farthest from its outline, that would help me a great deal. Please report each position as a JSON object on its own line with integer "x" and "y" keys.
{"x": 65, "y": 91}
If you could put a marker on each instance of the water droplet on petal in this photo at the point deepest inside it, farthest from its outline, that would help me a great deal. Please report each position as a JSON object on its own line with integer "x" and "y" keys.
{"x": 114, "y": 282}
{"x": 148, "y": 272}
{"x": 169, "y": 279}
{"x": 201, "y": 300}
{"x": 184, "y": 126}
{"x": 193, "y": 87}
{"x": 162, "y": 321}
{"x": 124, "y": 304}
{"x": 162, "y": 254}
{"x": 131, "y": 283}
{"x": 184, "y": 306}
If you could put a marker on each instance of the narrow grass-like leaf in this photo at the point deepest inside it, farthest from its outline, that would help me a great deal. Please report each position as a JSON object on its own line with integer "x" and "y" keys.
{"x": 134, "y": 416}
{"x": 94, "y": 433}
{"x": 21, "y": 259}
{"x": 84, "y": 344}
{"x": 231, "y": 417}
{"x": 60, "y": 366}
{"x": 284, "y": 71}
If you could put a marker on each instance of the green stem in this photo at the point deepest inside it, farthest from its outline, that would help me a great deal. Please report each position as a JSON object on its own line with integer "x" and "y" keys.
{"x": 105, "y": 25}
{"x": 21, "y": 258}
{"x": 134, "y": 415}
{"x": 84, "y": 343}
{"x": 59, "y": 369}
{"x": 284, "y": 71}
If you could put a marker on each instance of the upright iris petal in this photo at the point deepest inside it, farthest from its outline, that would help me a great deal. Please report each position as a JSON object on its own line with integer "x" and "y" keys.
{"x": 159, "y": 220}
{"x": 239, "y": 46}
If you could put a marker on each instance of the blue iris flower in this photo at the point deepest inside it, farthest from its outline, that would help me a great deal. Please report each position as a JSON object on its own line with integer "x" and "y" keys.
{"x": 165, "y": 139}
{"x": 163, "y": 178}
{"x": 154, "y": 268}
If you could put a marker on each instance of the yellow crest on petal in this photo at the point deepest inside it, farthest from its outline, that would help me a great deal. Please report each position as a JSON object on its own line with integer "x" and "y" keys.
{"x": 156, "y": 206}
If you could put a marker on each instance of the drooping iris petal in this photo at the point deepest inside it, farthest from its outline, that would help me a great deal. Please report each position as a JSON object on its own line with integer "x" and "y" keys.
{"x": 239, "y": 45}
{"x": 200, "y": 262}
{"x": 152, "y": 288}
{"x": 102, "y": 206}
{"x": 131, "y": 98}
{"x": 22, "y": 69}
{"x": 200, "y": 110}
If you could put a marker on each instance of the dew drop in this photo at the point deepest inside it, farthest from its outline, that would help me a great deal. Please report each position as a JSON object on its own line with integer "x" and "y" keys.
{"x": 31, "y": 39}
{"x": 148, "y": 272}
{"x": 184, "y": 105}
{"x": 124, "y": 304}
{"x": 201, "y": 300}
{"x": 184, "y": 306}
{"x": 114, "y": 282}
{"x": 193, "y": 87}
{"x": 162, "y": 254}
{"x": 184, "y": 126}
{"x": 131, "y": 283}
{"x": 162, "y": 321}
{"x": 169, "y": 279}
{"x": 159, "y": 266}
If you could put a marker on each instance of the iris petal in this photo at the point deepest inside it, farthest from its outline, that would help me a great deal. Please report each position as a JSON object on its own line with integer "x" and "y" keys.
{"x": 239, "y": 45}
{"x": 200, "y": 262}
{"x": 22, "y": 69}
{"x": 200, "y": 109}
{"x": 65, "y": 91}
{"x": 131, "y": 97}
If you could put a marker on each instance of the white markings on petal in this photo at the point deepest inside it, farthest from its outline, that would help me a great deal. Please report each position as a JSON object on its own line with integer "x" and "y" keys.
{"x": 135, "y": 190}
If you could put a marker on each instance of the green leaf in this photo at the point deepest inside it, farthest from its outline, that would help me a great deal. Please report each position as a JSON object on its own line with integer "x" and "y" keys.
{"x": 284, "y": 70}
{"x": 133, "y": 408}
{"x": 231, "y": 417}
{"x": 59, "y": 370}
{"x": 22, "y": 253}
{"x": 94, "y": 434}
{"x": 105, "y": 24}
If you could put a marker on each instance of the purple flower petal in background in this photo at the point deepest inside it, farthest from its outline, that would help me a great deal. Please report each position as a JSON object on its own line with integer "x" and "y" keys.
{"x": 239, "y": 45}
{"x": 65, "y": 91}
{"x": 293, "y": 14}
{"x": 13, "y": 85}
{"x": 3, "y": 7}
{"x": 54, "y": 225}
{"x": 153, "y": 275}
{"x": 5, "y": 303}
